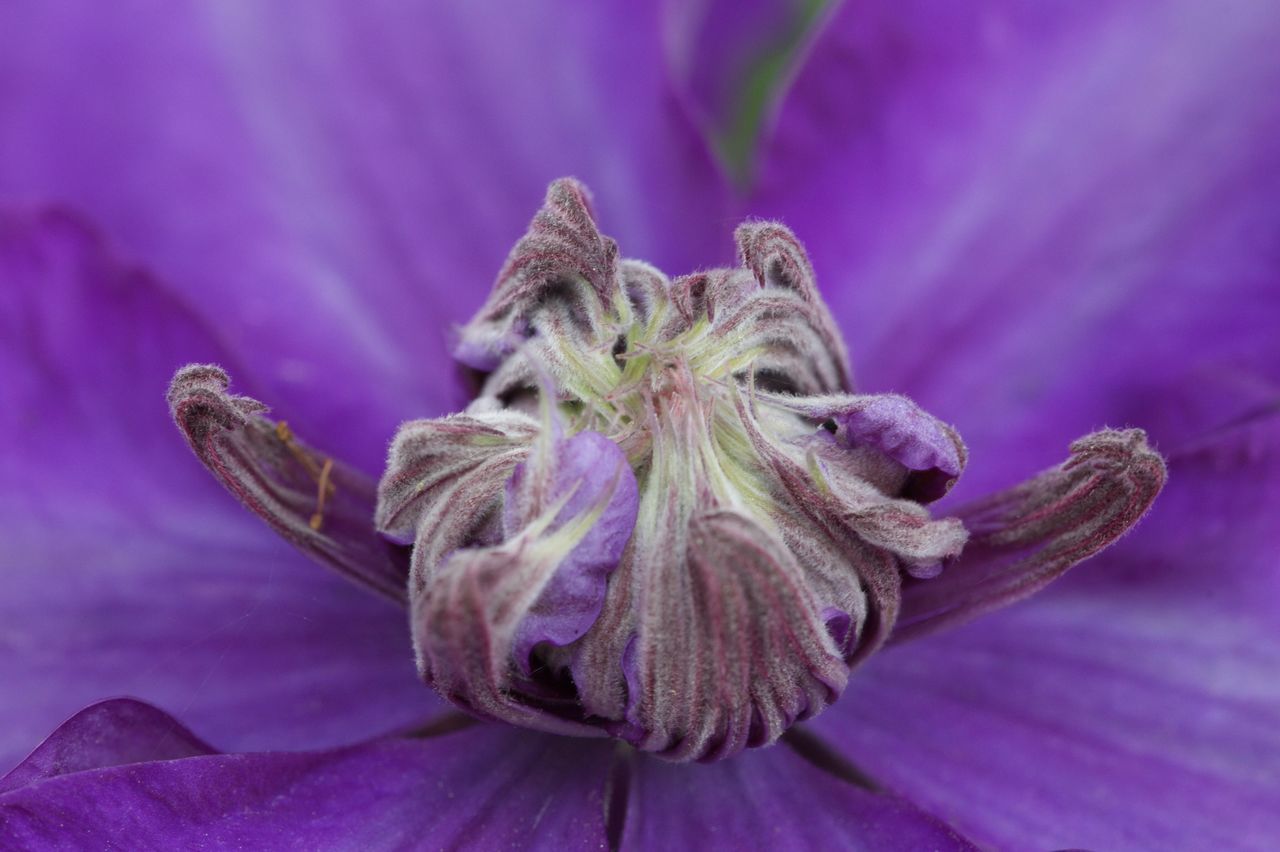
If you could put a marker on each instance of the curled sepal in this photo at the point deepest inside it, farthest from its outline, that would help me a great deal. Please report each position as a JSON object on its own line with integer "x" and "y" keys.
{"x": 1024, "y": 537}
{"x": 646, "y": 288}
{"x": 731, "y": 648}
{"x": 563, "y": 268}
{"x": 778, "y": 260}
{"x": 899, "y": 526}
{"x": 443, "y": 483}
{"x": 482, "y": 616}
{"x": 930, "y": 450}
{"x": 321, "y": 506}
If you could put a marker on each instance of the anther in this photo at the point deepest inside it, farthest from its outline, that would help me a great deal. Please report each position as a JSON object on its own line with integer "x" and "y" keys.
{"x": 317, "y": 520}
{"x": 321, "y": 475}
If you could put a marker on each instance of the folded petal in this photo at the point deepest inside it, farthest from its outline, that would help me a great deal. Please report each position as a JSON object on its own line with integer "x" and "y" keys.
{"x": 484, "y": 787}
{"x": 112, "y": 733}
{"x": 1023, "y": 538}
{"x": 778, "y": 260}
{"x": 590, "y": 479}
{"x": 126, "y": 568}
{"x": 322, "y": 507}
{"x": 711, "y": 636}
{"x": 479, "y": 616}
{"x": 1132, "y": 705}
{"x": 1037, "y": 219}
{"x": 770, "y": 798}
{"x": 928, "y": 448}
{"x": 444, "y": 481}
{"x": 339, "y": 186}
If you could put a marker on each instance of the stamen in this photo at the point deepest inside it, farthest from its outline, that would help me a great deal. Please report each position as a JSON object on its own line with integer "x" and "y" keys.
{"x": 317, "y": 520}
{"x": 321, "y": 475}
{"x": 249, "y": 453}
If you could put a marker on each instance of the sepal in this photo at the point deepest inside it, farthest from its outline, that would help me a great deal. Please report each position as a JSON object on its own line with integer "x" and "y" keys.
{"x": 319, "y": 505}
{"x": 1027, "y": 536}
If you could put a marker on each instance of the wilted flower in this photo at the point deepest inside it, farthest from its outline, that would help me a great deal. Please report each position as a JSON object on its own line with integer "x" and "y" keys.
{"x": 667, "y": 521}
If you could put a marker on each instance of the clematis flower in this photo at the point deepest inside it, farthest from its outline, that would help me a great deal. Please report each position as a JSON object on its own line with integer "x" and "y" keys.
{"x": 665, "y": 525}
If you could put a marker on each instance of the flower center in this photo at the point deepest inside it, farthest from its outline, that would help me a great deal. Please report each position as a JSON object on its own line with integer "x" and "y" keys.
{"x": 665, "y": 517}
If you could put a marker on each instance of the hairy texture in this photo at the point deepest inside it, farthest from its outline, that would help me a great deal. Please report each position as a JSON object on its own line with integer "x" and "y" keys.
{"x": 667, "y": 516}
{"x": 768, "y": 552}
{"x": 810, "y": 511}
{"x": 930, "y": 450}
{"x": 562, "y": 260}
{"x": 737, "y": 651}
{"x": 776, "y": 259}
{"x": 443, "y": 483}
{"x": 583, "y": 478}
{"x": 516, "y": 529}
{"x": 1023, "y": 538}
{"x": 319, "y": 505}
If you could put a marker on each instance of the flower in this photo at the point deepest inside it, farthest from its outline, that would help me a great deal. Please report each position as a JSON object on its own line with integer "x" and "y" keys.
{"x": 665, "y": 517}
{"x": 1034, "y": 222}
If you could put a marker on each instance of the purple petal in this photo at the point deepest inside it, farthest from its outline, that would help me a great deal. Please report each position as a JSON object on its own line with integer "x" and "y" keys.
{"x": 897, "y": 427}
{"x": 482, "y": 608}
{"x": 732, "y": 62}
{"x": 478, "y": 788}
{"x": 113, "y": 733}
{"x": 770, "y": 798}
{"x": 928, "y": 448}
{"x": 339, "y": 186}
{"x": 1133, "y": 705}
{"x": 1079, "y": 722}
{"x": 596, "y": 470}
{"x": 126, "y": 568}
{"x": 1037, "y": 220}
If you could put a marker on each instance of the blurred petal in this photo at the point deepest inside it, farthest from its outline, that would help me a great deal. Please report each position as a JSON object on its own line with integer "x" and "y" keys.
{"x": 732, "y": 61}
{"x": 339, "y": 184}
{"x": 112, "y": 733}
{"x": 1134, "y": 705}
{"x": 126, "y": 568}
{"x": 479, "y": 788}
{"x": 770, "y": 798}
{"x": 1039, "y": 219}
